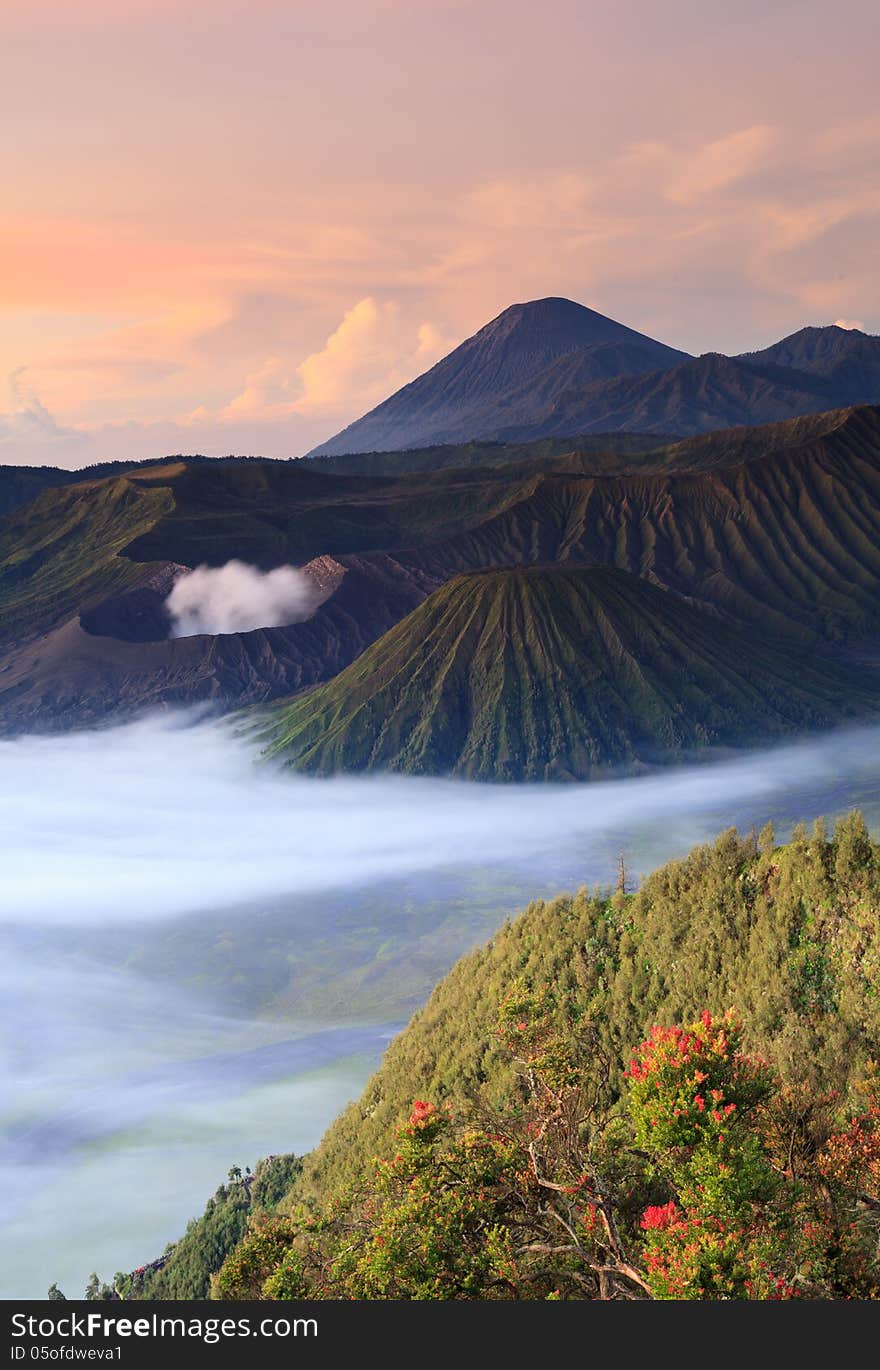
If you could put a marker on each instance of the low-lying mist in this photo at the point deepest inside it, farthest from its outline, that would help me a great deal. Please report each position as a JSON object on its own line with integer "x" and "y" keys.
{"x": 201, "y": 957}
{"x": 163, "y": 817}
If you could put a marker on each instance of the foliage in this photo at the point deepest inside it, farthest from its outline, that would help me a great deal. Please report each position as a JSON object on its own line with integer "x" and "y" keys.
{"x": 186, "y": 1270}
{"x": 725, "y": 1157}
{"x": 726, "y": 925}
{"x": 675, "y": 1193}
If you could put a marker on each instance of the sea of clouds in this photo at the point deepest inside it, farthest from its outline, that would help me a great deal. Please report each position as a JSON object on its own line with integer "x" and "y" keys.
{"x": 166, "y": 816}
{"x": 125, "y": 1098}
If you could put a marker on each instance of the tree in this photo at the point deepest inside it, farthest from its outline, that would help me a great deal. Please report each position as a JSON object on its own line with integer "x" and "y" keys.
{"x": 674, "y": 1192}
{"x": 96, "y": 1289}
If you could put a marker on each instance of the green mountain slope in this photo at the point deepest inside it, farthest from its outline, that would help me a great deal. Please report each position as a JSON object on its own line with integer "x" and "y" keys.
{"x": 20, "y": 484}
{"x": 789, "y": 935}
{"x": 600, "y": 451}
{"x": 776, "y": 528}
{"x": 554, "y": 674}
{"x": 184, "y": 1271}
{"x": 63, "y": 551}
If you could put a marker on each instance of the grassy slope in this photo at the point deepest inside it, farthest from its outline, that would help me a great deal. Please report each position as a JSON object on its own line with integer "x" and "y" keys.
{"x": 787, "y": 935}
{"x": 20, "y": 484}
{"x": 787, "y": 539}
{"x": 614, "y": 448}
{"x": 547, "y": 674}
{"x": 269, "y": 513}
{"x": 81, "y": 543}
{"x": 780, "y": 526}
{"x": 61, "y": 552}
{"x": 777, "y": 528}
{"x": 185, "y": 1270}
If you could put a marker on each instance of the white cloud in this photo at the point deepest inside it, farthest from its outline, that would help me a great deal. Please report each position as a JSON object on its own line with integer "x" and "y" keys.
{"x": 237, "y": 598}
{"x": 266, "y": 394}
{"x": 30, "y": 435}
{"x": 370, "y": 354}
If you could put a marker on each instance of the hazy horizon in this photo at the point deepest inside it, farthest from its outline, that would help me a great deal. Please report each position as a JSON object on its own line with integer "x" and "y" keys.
{"x": 390, "y": 177}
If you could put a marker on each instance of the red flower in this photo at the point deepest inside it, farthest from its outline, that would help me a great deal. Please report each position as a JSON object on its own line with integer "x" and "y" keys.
{"x": 421, "y": 1113}
{"x": 659, "y": 1216}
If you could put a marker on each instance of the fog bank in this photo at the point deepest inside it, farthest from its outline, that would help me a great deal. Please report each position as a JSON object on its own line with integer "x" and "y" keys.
{"x": 160, "y": 818}
{"x": 202, "y": 957}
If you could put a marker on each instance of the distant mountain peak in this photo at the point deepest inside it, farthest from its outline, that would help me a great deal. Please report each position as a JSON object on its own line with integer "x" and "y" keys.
{"x": 556, "y": 315}
{"x": 812, "y": 343}
{"x": 514, "y": 365}
{"x": 812, "y": 330}
{"x": 554, "y": 368}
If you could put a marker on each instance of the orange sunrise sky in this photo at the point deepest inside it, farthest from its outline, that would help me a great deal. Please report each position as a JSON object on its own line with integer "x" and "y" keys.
{"x": 234, "y": 227}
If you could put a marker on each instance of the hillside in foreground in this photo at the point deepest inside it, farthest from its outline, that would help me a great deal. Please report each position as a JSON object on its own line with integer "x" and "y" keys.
{"x": 521, "y": 1085}
{"x": 789, "y": 935}
{"x": 557, "y": 673}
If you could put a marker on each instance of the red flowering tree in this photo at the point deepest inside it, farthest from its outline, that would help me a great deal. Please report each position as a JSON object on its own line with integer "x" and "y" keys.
{"x": 689, "y": 1187}
{"x": 693, "y": 1100}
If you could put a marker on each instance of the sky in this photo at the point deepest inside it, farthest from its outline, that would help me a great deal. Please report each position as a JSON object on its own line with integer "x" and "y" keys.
{"x": 236, "y": 225}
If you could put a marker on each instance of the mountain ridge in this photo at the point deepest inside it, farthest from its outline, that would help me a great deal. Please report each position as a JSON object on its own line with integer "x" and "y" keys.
{"x": 536, "y": 673}
{"x": 516, "y": 353}
{"x": 590, "y": 375}
{"x": 776, "y": 529}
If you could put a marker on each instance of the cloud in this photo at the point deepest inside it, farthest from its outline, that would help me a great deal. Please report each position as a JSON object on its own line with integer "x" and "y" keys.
{"x": 856, "y": 324}
{"x": 722, "y": 163}
{"x": 720, "y": 242}
{"x": 239, "y": 334}
{"x": 237, "y": 598}
{"x": 266, "y": 394}
{"x": 370, "y": 354}
{"x": 30, "y": 435}
{"x": 546, "y": 201}
{"x": 156, "y": 818}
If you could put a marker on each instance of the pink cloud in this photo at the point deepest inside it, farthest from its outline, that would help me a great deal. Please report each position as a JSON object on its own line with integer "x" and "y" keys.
{"x": 200, "y": 198}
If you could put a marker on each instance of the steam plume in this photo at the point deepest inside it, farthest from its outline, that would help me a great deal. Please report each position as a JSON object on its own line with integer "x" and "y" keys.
{"x": 236, "y": 598}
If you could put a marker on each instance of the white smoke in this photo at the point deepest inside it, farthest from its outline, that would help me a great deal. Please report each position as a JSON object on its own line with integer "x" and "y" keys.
{"x": 236, "y": 598}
